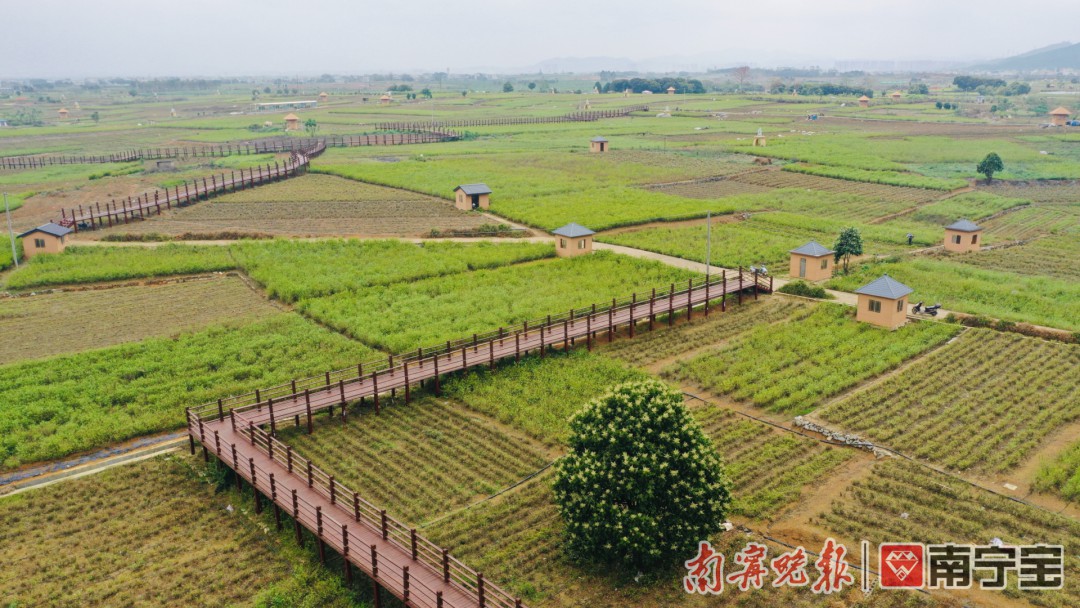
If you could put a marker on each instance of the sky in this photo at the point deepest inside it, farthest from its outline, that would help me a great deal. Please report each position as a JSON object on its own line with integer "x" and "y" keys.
{"x": 145, "y": 38}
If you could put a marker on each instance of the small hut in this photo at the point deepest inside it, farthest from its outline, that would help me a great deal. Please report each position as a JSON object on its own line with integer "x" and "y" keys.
{"x": 812, "y": 262}
{"x": 883, "y": 302}
{"x": 48, "y": 238}
{"x": 598, "y": 144}
{"x": 573, "y": 240}
{"x": 385, "y": 99}
{"x": 63, "y": 113}
{"x": 864, "y": 102}
{"x": 472, "y": 196}
{"x": 1059, "y": 117}
{"x": 292, "y": 122}
{"x": 324, "y": 96}
{"x": 962, "y": 236}
{"x": 896, "y": 95}
{"x": 671, "y": 90}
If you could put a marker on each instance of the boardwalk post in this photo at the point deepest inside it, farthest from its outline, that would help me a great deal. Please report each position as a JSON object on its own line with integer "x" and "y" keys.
{"x": 755, "y": 284}
{"x": 236, "y": 469}
{"x": 671, "y": 305}
{"x": 385, "y": 524}
{"x": 405, "y": 368}
{"x": 541, "y": 341}
{"x": 740, "y": 285}
{"x": 652, "y": 309}
{"x": 707, "y": 283}
{"x": 412, "y": 539}
{"x": 375, "y": 389}
{"x": 588, "y": 332}
{"x": 217, "y": 444}
{"x": 689, "y": 299}
{"x": 273, "y": 501}
{"x": 480, "y": 589}
{"x": 288, "y": 457}
{"x": 611, "y": 321}
{"x": 375, "y": 571}
{"x": 251, "y": 431}
{"x": 517, "y": 346}
{"x": 254, "y": 487}
{"x": 435, "y": 361}
{"x": 307, "y": 403}
{"x": 356, "y": 506}
{"x": 633, "y": 321}
{"x": 310, "y": 476}
{"x": 405, "y": 584}
{"x": 191, "y": 437}
{"x": 446, "y": 565}
{"x": 723, "y": 290}
{"x": 318, "y": 527}
{"x": 438, "y": 599}
{"x": 202, "y": 441}
{"x": 491, "y": 354}
{"x": 344, "y": 403}
{"x": 273, "y": 425}
{"x": 296, "y": 519}
{"x": 220, "y": 411}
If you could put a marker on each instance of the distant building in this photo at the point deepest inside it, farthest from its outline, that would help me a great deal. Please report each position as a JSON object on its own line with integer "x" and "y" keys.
{"x": 598, "y": 144}
{"x": 4, "y": 122}
{"x": 883, "y": 302}
{"x": 385, "y": 99}
{"x": 896, "y": 95}
{"x": 472, "y": 196}
{"x": 573, "y": 240}
{"x": 324, "y": 96}
{"x": 812, "y": 262}
{"x": 671, "y": 90}
{"x": 48, "y": 238}
{"x": 864, "y": 101}
{"x": 63, "y": 113}
{"x": 287, "y": 105}
{"x": 292, "y": 122}
{"x": 1059, "y": 117}
{"x": 962, "y": 236}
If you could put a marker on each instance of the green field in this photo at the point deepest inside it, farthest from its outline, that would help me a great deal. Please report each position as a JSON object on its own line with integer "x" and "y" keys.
{"x": 96, "y": 264}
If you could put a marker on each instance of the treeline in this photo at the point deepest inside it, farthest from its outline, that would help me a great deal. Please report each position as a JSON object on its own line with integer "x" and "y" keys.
{"x": 991, "y": 86}
{"x": 660, "y": 85}
{"x": 823, "y": 88}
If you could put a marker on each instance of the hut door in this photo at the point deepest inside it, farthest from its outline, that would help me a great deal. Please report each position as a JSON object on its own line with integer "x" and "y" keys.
{"x": 802, "y": 268}
{"x": 475, "y": 201}
{"x": 603, "y": 146}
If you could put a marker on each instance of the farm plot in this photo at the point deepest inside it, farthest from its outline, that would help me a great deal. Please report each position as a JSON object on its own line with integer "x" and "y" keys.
{"x": 1061, "y": 475}
{"x": 1066, "y": 192}
{"x": 903, "y": 196}
{"x": 965, "y": 288}
{"x": 794, "y": 366}
{"x": 710, "y": 188}
{"x": 69, "y": 403}
{"x": 96, "y": 264}
{"x": 538, "y": 395}
{"x": 66, "y": 322}
{"x": 153, "y": 533}
{"x": 1034, "y": 221}
{"x": 902, "y": 500}
{"x": 291, "y": 270}
{"x": 665, "y": 343}
{"x": 1054, "y": 256}
{"x": 404, "y": 316}
{"x": 971, "y": 205}
{"x": 422, "y": 460}
{"x": 991, "y": 399}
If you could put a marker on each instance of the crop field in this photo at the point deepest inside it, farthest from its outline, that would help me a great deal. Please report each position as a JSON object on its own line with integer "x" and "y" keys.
{"x": 964, "y": 288}
{"x": 816, "y": 354}
{"x": 58, "y": 406}
{"x": 291, "y": 270}
{"x": 1061, "y": 475}
{"x": 990, "y": 401}
{"x": 153, "y": 533}
{"x": 95, "y": 264}
{"x": 767, "y": 238}
{"x": 973, "y": 206}
{"x": 904, "y": 500}
{"x": 1066, "y": 192}
{"x": 422, "y": 460}
{"x": 910, "y": 197}
{"x": 1034, "y": 221}
{"x": 538, "y": 395}
{"x": 1053, "y": 256}
{"x": 666, "y": 343}
{"x": 710, "y": 188}
{"x": 404, "y": 316}
{"x": 67, "y": 322}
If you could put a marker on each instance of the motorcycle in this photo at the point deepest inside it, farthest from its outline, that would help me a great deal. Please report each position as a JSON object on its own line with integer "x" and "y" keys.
{"x": 932, "y": 310}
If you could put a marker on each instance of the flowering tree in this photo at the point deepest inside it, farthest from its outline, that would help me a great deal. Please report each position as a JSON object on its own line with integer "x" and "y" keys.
{"x": 642, "y": 484}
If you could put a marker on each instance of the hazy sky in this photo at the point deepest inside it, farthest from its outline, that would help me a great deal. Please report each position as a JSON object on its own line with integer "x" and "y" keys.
{"x": 54, "y": 38}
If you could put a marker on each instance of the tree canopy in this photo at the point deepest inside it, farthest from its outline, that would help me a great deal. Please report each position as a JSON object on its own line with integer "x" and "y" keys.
{"x": 642, "y": 484}
{"x": 990, "y": 165}
{"x": 849, "y": 243}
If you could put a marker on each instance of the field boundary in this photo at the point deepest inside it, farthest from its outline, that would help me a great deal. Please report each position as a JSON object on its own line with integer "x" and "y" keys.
{"x": 584, "y": 116}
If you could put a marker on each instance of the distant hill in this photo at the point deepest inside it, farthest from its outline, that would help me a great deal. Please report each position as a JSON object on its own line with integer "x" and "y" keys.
{"x": 1064, "y": 55}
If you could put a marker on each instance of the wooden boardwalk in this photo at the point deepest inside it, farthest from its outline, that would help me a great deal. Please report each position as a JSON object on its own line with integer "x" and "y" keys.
{"x": 241, "y": 432}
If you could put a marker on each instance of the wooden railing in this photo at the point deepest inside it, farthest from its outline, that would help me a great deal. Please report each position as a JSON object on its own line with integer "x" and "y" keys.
{"x": 582, "y": 116}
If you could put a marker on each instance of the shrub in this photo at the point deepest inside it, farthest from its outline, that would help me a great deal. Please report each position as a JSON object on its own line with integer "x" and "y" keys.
{"x": 642, "y": 483}
{"x": 802, "y": 288}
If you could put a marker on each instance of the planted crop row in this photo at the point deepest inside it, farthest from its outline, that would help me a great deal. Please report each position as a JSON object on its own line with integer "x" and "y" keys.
{"x": 73, "y": 321}
{"x": 54, "y": 407}
{"x": 405, "y": 316}
{"x": 990, "y": 401}
{"x": 792, "y": 367}
{"x": 314, "y": 188}
{"x": 893, "y": 178}
{"x": 1034, "y": 221}
{"x": 971, "y": 205}
{"x": 421, "y": 460}
{"x": 799, "y": 176}
{"x": 96, "y": 264}
{"x": 154, "y": 533}
{"x": 667, "y": 342}
{"x": 291, "y": 270}
{"x": 1061, "y": 475}
{"x": 904, "y": 501}
{"x": 965, "y": 288}
{"x": 1067, "y": 192}
{"x": 1054, "y": 256}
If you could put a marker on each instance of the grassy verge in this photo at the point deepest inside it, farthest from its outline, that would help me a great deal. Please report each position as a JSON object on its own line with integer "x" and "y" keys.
{"x": 95, "y": 264}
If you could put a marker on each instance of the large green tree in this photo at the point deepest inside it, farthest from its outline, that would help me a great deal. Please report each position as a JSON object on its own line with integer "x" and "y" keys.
{"x": 990, "y": 165}
{"x": 642, "y": 484}
{"x": 849, "y": 243}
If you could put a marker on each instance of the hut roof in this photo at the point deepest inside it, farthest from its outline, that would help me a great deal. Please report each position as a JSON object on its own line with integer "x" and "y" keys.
{"x": 885, "y": 287}
{"x": 864, "y": 98}
{"x": 964, "y": 226}
{"x": 812, "y": 249}
{"x": 573, "y": 231}
{"x": 1062, "y": 111}
{"x": 471, "y": 189}
{"x": 63, "y": 110}
{"x": 50, "y": 228}
{"x": 598, "y": 139}
{"x": 671, "y": 88}
{"x": 291, "y": 116}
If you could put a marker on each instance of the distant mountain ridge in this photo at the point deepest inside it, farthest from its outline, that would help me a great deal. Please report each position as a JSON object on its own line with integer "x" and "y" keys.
{"x": 1063, "y": 55}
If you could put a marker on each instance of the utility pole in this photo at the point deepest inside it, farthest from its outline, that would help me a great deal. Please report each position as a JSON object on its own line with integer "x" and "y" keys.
{"x": 11, "y": 233}
{"x": 708, "y": 244}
